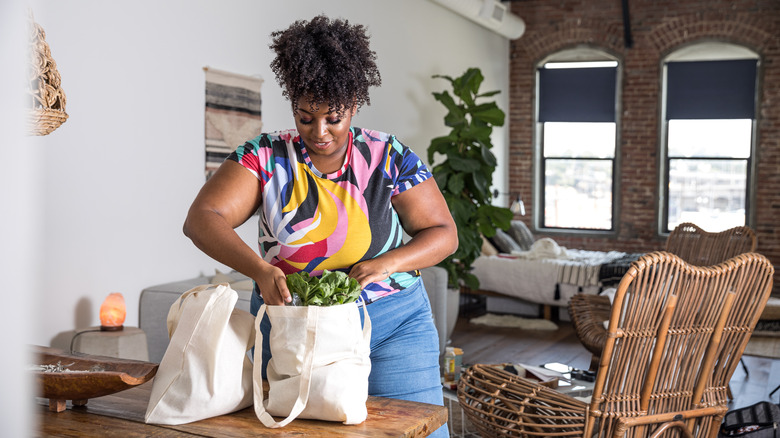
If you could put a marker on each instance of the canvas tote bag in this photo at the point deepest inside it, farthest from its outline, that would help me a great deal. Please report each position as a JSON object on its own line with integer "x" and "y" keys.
{"x": 206, "y": 370}
{"x": 319, "y": 364}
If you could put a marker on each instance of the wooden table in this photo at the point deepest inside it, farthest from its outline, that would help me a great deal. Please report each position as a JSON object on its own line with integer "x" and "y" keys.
{"x": 122, "y": 415}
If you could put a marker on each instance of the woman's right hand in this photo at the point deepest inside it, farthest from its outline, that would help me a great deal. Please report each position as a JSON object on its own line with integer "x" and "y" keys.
{"x": 273, "y": 286}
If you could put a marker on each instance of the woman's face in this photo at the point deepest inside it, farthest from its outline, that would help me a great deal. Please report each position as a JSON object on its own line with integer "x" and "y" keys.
{"x": 324, "y": 133}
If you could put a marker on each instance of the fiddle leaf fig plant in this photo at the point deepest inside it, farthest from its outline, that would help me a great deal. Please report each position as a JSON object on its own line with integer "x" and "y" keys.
{"x": 465, "y": 174}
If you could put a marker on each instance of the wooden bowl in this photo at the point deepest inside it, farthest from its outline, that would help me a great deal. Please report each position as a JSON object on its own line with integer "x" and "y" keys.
{"x": 88, "y": 376}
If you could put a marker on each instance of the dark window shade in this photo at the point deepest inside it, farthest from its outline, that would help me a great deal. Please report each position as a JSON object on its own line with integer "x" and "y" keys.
{"x": 577, "y": 94}
{"x": 711, "y": 89}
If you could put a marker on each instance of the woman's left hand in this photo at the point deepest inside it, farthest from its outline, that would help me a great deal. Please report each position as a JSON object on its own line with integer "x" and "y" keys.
{"x": 370, "y": 271}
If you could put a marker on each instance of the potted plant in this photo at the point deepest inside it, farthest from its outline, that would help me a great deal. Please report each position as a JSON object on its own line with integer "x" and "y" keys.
{"x": 466, "y": 173}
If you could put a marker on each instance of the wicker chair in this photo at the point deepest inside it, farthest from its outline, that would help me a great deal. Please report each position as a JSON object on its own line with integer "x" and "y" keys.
{"x": 676, "y": 334}
{"x": 692, "y": 244}
{"x": 701, "y": 248}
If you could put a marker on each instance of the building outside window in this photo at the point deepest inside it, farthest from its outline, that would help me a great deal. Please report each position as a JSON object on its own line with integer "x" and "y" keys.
{"x": 576, "y": 141}
{"x": 709, "y": 136}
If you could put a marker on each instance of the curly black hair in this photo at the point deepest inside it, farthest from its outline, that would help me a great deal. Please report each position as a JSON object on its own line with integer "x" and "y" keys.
{"x": 325, "y": 60}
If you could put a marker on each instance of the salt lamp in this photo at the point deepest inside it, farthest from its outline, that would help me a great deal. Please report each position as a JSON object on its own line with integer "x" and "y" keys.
{"x": 112, "y": 312}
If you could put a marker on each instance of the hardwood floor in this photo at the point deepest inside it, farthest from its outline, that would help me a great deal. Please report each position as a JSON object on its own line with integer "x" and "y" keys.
{"x": 483, "y": 344}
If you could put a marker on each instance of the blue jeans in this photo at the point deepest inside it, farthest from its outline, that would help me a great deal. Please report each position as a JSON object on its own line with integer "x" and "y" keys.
{"x": 404, "y": 348}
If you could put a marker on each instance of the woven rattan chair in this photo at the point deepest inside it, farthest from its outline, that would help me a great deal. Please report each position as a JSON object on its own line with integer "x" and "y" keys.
{"x": 701, "y": 248}
{"x": 688, "y": 241}
{"x": 676, "y": 334}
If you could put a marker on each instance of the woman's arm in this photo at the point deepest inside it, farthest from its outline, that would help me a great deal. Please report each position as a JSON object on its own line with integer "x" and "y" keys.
{"x": 227, "y": 200}
{"x": 425, "y": 216}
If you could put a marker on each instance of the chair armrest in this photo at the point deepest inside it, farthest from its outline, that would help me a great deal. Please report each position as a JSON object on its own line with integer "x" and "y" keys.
{"x": 587, "y": 314}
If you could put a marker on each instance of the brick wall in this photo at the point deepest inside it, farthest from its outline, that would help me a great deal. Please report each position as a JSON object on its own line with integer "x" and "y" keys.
{"x": 657, "y": 27}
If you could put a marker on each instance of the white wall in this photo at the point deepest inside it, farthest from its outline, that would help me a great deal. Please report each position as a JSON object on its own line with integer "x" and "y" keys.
{"x": 117, "y": 178}
{"x": 20, "y": 219}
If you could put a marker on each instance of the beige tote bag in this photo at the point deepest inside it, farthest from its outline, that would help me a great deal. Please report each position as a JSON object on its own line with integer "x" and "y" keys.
{"x": 319, "y": 364}
{"x": 206, "y": 370}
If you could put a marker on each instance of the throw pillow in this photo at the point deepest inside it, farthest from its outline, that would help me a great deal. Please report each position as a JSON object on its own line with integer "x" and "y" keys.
{"x": 521, "y": 234}
{"x": 504, "y": 242}
{"x": 487, "y": 248}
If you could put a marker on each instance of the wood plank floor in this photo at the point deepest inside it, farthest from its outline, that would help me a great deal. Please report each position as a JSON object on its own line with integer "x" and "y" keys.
{"x": 483, "y": 344}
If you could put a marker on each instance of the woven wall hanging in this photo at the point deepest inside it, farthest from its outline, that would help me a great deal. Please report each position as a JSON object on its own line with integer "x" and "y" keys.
{"x": 47, "y": 110}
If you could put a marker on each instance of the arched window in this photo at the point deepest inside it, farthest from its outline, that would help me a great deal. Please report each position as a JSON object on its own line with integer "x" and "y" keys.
{"x": 576, "y": 138}
{"x": 708, "y": 136}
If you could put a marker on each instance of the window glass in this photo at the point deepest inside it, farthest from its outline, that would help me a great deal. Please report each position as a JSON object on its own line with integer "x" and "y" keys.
{"x": 578, "y": 194}
{"x": 708, "y": 193}
{"x": 710, "y": 138}
{"x": 579, "y": 140}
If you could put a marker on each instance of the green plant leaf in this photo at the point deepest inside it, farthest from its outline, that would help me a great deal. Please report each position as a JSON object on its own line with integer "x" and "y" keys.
{"x": 480, "y": 132}
{"x": 481, "y": 187}
{"x": 461, "y": 164}
{"x": 489, "y": 157}
{"x": 499, "y": 217}
{"x": 455, "y": 183}
{"x": 448, "y": 102}
{"x": 471, "y": 281}
{"x": 455, "y": 119}
{"x": 469, "y": 84}
{"x": 487, "y": 229}
{"x": 489, "y": 113}
{"x": 489, "y": 93}
{"x": 449, "y": 78}
{"x": 440, "y": 145}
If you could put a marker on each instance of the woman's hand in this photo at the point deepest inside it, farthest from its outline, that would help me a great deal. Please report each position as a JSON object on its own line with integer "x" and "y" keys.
{"x": 273, "y": 286}
{"x": 370, "y": 271}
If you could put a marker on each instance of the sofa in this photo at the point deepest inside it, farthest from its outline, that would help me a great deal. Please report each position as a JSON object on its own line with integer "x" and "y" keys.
{"x": 514, "y": 264}
{"x": 156, "y": 300}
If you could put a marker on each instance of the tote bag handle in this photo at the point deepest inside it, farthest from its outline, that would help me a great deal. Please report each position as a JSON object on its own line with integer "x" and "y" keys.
{"x": 306, "y": 371}
{"x": 174, "y": 313}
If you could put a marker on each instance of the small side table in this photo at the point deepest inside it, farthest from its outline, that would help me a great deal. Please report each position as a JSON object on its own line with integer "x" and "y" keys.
{"x": 129, "y": 343}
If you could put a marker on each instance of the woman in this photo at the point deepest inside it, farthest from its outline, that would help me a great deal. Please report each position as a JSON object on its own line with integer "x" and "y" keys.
{"x": 337, "y": 197}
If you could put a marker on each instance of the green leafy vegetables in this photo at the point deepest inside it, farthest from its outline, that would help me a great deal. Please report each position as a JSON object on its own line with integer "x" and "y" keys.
{"x": 333, "y": 287}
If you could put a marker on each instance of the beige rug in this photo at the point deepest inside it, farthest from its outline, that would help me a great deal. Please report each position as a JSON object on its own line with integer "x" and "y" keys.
{"x": 493, "y": 320}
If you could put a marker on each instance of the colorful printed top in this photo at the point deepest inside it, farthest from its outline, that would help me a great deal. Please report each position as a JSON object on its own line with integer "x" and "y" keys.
{"x": 311, "y": 221}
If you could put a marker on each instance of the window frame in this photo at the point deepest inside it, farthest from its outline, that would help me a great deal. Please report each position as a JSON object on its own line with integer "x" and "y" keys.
{"x": 580, "y": 53}
{"x": 708, "y": 50}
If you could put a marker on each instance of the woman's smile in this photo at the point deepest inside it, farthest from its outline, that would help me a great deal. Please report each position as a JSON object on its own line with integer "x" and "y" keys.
{"x": 322, "y": 145}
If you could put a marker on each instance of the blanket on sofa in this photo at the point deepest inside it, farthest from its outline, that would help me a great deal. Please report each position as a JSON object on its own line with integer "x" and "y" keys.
{"x": 551, "y": 281}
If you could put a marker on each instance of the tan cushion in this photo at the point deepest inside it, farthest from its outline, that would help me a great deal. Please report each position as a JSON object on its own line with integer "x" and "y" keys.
{"x": 487, "y": 248}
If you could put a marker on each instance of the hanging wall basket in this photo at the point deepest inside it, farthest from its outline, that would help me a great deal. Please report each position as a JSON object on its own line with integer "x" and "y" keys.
{"x": 47, "y": 111}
